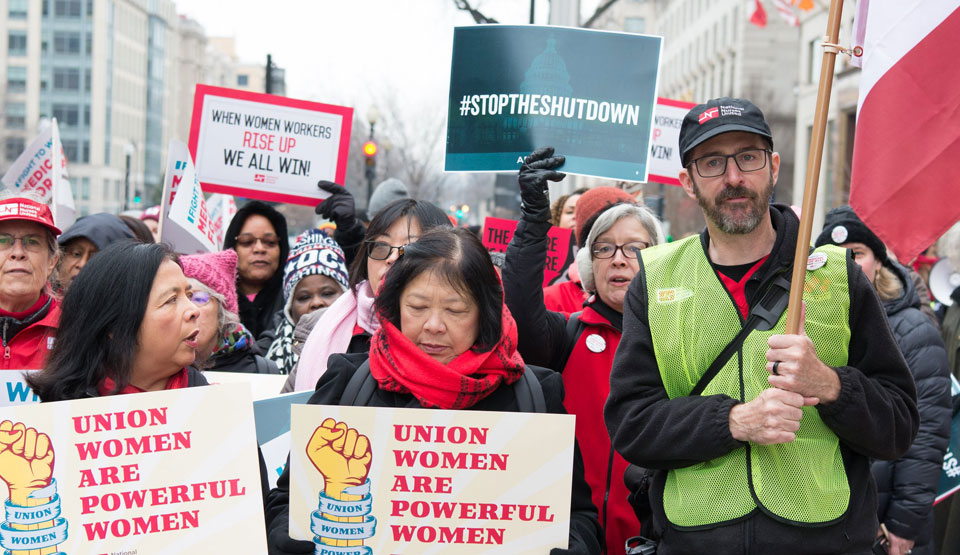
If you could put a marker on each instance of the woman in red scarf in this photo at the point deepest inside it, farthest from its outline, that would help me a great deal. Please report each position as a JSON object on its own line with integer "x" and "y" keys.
{"x": 447, "y": 341}
{"x": 127, "y": 326}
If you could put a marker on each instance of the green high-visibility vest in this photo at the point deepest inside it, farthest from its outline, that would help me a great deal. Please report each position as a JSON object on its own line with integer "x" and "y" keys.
{"x": 692, "y": 318}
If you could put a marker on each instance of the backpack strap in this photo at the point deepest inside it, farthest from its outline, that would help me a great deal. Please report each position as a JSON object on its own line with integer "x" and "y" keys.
{"x": 360, "y": 388}
{"x": 764, "y": 317}
{"x": 573, "y": 330}
{"x": 529, "y": 393}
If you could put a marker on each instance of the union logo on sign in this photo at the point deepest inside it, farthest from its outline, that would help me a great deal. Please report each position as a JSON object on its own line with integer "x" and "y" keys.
{"x": 259, "y": 178}
{"x": 709, "y": 115}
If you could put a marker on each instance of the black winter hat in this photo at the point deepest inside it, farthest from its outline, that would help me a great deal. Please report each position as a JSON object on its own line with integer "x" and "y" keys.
{"x": 718, "y": 116}
{"x": 842, "y": 225}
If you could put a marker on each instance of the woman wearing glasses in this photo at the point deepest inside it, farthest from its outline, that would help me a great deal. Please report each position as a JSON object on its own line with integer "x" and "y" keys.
{"x": 580, "y": 345}
{"x": 28, "y": 310}
{"x": 348, "y": 323}
{"x": 224, "y": 344}
{"x": 259, "y": 235}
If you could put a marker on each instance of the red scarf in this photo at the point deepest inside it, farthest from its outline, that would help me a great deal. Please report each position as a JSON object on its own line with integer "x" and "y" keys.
{"x": 399, "y": 365}
{"x": 176, "y": 381}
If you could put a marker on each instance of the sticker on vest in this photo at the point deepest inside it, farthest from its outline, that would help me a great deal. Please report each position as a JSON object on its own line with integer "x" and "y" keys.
{"x": 666, "y": 296}
{"x": 839, "y": 234}
{"x": 49, "y": 343}
{"x": 596, "y": 343}
{"x": 816, "y": 261}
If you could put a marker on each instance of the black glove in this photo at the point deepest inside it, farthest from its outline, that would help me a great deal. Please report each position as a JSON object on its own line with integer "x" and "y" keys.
{"x": 339, "y": 207}
{"x": 537, "y": 169}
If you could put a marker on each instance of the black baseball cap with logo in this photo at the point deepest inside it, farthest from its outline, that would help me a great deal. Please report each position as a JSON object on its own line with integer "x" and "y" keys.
{"x": 718, "y": 116}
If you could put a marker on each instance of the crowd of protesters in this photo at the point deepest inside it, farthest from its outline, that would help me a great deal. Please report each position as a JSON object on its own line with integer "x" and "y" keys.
{"x": 701, "y": 424}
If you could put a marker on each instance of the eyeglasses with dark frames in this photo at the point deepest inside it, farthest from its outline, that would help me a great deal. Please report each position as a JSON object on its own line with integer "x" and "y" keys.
{"x": 715, "y": 165}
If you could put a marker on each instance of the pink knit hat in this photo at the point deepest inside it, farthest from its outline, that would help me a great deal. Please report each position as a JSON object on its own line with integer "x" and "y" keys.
{"x": 216, "y": 270}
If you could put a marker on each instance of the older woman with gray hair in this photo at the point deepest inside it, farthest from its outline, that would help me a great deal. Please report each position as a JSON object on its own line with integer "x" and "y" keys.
{"x": 581, "y": 345}
{"x": 29, "y": 313}
{"x": 224, "y": 344}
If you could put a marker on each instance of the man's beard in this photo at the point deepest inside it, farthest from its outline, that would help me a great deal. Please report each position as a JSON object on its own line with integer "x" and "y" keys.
{"x": 737, "y": 221}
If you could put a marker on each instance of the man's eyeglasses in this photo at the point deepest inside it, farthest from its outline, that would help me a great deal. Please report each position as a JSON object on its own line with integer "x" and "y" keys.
{"x": 716, "y": 165}
{"x": 30, "y": 243}
{"x": 609, "y": 250}
{"x": 247, "y": 241}
{"x": 378, "y": 250}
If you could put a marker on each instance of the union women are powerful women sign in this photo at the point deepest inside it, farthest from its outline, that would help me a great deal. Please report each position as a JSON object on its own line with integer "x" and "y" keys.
{"x": 150, "y": 473}
{"x": 377, "y": 480}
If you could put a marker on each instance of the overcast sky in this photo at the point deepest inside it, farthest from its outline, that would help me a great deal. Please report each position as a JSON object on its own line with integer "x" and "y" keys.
{"x": 351, "y": 51}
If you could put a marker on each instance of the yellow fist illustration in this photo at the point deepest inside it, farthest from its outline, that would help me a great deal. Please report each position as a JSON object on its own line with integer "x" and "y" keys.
{"x": 26, "y": 460}
{"x": 341, "y": 455}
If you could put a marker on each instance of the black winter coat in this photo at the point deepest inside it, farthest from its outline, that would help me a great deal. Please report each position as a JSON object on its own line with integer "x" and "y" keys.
{"x": 875, "y": 416}
{"x": 907, "y": 486}
{"x": 584, "y": 529}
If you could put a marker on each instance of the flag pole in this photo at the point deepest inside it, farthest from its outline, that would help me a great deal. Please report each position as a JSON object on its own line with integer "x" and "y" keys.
{"x": 813, "y": 167}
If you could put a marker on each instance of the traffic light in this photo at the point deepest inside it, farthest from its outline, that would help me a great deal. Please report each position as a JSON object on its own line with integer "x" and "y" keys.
{"x": 369, "y": 150}
{"x": 137, "y": 199}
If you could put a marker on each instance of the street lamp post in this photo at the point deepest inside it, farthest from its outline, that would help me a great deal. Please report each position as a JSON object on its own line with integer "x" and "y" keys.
{"x": 373, "y": 114}
{"x": 128, "y": 150}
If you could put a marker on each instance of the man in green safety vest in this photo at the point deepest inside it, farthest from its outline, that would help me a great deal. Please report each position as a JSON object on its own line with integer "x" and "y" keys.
{"x": 756, "y": 441}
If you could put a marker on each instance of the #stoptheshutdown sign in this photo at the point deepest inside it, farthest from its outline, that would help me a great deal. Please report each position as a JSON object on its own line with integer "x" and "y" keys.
{"x": 368, "y": 480}
{"x": 267, "y": 147}
{"x": 589, "y": 94}
{"x": 149, "y": 473}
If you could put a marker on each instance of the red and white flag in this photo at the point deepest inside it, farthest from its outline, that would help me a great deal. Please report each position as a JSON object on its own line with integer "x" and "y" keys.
{"x": 759, "y": 15}
{"x": 32, "y": 172}
{"x": 904, "y": 184}
{"x": 785, "y": 9}
{"x": 185, "y": 224}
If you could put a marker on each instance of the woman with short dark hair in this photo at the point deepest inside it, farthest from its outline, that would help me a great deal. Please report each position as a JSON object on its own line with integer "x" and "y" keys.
{"x": 348, "y": 323}
{"x": 445, "y": 340}
{"x": 128, "y": 325}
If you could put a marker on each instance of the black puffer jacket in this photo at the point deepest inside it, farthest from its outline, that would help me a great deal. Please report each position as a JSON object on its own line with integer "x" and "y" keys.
{"x": 906, "y": 487}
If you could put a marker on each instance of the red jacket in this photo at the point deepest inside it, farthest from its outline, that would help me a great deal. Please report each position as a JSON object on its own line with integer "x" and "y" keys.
{"x": 586, "y": 380}
{"x": 29, "y": 349}
{"x": 564, "y": 297}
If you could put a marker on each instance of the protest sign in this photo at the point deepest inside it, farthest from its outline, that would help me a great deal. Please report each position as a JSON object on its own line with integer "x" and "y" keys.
{"x": 420, "y": 481}
{"x": 950, "y": 473}
{"x": 589, "y": 94}
{"x": 268, "y": 147}
{"x": 32, "y": 173}
{"x": 149, "y": 473}
{"x": 184, "y": 221}
{"x": 222, "y": 210}
{"x": 497, "y": 233}
{"x": 665, "y": 164}
{"x": 273, "y": 430}
{"x": 15, "y": 390}
{"x": 262, "y": 386}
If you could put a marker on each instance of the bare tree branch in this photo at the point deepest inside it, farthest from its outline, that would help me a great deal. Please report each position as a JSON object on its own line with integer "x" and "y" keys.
{"x": 596, "y": 15}
{"x": 475, "y": 13}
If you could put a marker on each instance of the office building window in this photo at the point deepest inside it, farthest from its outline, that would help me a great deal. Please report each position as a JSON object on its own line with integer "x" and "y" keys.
{"x": 85, "y": 153}
{"x": 84, "y": 188}
{"x": 68, "y": 115}
{"x": 70, "y": 149}
{"x": 90, "y": 43}
{"x": 68, "y": 8}
{"x": 66, "y": 79}
{"x": 12, "y": 147}
{"x": 242, "y": 80}
{"x": 16, "y": 79}
{"x": 16, "y": 115}
{"x": 18, "y": 9}
{"x": 17, "y": 43}
{"x": 66, "y": 42}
